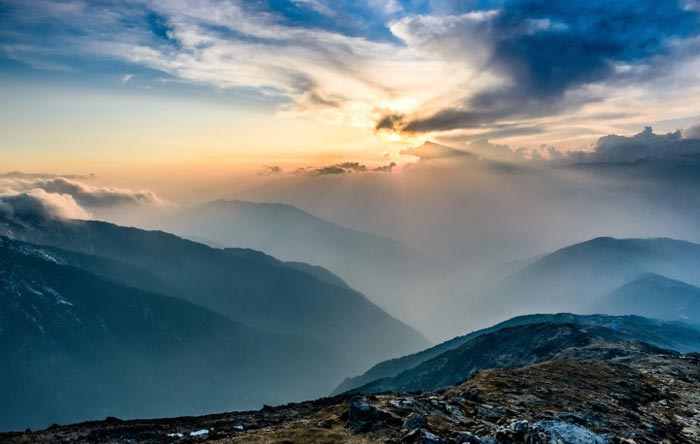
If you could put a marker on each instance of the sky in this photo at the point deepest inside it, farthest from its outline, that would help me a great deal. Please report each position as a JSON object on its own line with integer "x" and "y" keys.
{"x": 585, "y": 114}
{"x": 153, "y": 87}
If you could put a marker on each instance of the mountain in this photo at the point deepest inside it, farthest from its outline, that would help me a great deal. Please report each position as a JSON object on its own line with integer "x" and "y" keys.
{"x": 245, "y": 286}
{"x": 674, "y": 336}
{"x": 432, "y": 150}
{"x": 76, "y": 346}
{"x": 653, "y": 296}
{"x": 509, "y": 344}
{"x": 573, "y": 278}
{"x": 608, "y": 392}
{"x": 375, "y": 265}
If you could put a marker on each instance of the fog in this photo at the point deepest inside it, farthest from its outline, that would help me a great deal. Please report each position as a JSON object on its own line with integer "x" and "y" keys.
{"x": 459, "y": 213}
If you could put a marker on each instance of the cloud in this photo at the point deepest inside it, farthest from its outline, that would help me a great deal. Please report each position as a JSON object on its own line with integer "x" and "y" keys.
{"x": 69, "y": 197}
{"x": 344, "y": 168}
{"x": 411, "y": 67}
{"x": 385, "y": 168}
{"x": 23, "y": 175}
{"x": 543, "y": 54}
{"x": 692, "y": 132}
{"x": 270, "y": 170}
{"x": 89, "y": 196}
{"x": 127, "y": 77}
{"x": 39, "y": 203}
{"x": 644, "y": 145}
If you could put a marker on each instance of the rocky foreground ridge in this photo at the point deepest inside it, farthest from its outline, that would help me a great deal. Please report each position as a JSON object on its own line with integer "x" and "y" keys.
{"x": 601, "y": 392}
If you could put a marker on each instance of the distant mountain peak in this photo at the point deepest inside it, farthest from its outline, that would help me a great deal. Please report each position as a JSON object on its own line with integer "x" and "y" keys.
{"x": 432, "y": 150}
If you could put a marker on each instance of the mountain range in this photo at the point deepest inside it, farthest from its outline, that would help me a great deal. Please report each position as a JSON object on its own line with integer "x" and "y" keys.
{"x": 653, "y": 296}
{"x": 571, "y": 279}
{"x": 158, "y": 325}
{"x": 238, "y": 285}
{"x": 570, "y": 384}
{"x": 519, "y": 346}
{"x": 375, "y": 265}
{"x": 104, "y": 320}
{"x": 77, "y": 346}
{"x": 499, "y": 343}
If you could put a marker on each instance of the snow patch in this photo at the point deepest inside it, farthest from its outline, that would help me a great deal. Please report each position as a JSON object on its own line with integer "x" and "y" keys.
{"x": 200, "y": 432}
{"x": 60, "y": 300}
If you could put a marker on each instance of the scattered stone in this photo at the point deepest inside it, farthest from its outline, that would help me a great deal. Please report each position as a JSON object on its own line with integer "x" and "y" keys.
{"x": 515, "y": 432}
{"x": 559, "y": 431}
{"x": 420, "y": 436}
{"x": 487, "y": 412}
{"x": 414, "y": 421}
{"x": 363, "y": 417}
{"x": 466, "y": 438}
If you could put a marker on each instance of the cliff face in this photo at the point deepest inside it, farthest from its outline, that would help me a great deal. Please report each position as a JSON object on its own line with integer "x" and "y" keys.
{"x": 605, "y": 392}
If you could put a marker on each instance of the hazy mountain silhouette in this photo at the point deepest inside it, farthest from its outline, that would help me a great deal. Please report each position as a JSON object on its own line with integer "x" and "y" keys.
{"x": 512, "y": 347}
{"x": 76, "y": 346}
{"x": 376, "y": 265}
{"x": 245, "y": 286}
{"x": 653, "y": 296}
{"x": 573, "y": 278}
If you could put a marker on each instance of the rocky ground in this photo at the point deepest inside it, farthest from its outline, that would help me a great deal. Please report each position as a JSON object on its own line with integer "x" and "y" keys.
{"x": 589, "y": 395}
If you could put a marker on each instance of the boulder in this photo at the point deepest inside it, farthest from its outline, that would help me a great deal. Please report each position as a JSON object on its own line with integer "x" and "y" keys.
{"x": 363, "y": 416}
{"x": 414, "y": 421}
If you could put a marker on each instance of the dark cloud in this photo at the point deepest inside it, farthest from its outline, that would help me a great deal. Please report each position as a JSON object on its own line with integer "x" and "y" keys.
{"x": 545, "y": 50}
{"x": 344, "y": 168}
{"x": 499, "y": 132}
{"x": 390, "y": 122}
{"x": 385, "y": 168}
{"x": 645, "y": 145}
{"x": 270, "y": 170}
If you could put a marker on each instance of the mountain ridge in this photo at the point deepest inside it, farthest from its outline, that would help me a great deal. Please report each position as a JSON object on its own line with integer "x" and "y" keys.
{"x": 237, "y": 287}
{"x": 78, "y": 346}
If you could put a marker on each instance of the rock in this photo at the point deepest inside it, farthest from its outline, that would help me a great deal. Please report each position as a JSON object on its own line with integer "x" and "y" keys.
{"x": 414, "y": 421}
{"x": 466, "y": 438}
{"x": 363, "y": 417}
{"x": 577, "y": 418}
{"x": 487, "y": 412}
{"x": 564, "y": 432}
{"x": 420, "y": 436}
{"x": 515, "y": 432}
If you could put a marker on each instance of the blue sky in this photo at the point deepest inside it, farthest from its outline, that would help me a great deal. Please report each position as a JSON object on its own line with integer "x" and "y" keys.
{"x": 524, "y": 72}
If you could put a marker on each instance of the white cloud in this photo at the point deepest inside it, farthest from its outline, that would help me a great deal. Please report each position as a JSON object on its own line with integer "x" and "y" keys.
{"x": 69, "y": 196}
{"x": 692, "y": 132}
{"x": 436, "y": 62}
{"x": 39, "y": 203}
